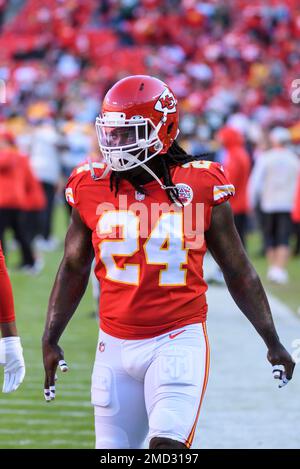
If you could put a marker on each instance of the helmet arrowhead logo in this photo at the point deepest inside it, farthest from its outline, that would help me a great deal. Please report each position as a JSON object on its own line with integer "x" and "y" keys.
{"x": 166, "y": 103}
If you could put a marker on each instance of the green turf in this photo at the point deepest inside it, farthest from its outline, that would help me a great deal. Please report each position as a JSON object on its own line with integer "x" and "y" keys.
{"x": 27, "y": 421}
{"x": 288, "y": 294}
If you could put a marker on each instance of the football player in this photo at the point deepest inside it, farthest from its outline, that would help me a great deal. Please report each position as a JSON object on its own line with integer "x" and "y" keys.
{"x": 148, "y": 215}
{"x": 11, "y": 352}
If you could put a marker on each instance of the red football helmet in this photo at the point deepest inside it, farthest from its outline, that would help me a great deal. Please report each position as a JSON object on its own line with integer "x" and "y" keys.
{"x": 139, "y": 120}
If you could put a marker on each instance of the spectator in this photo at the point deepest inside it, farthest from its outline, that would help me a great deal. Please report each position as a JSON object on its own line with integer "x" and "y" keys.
{"x": 45, "y": 162}
{"x": 296, "y": 217}
{"x": 77, "y": 139}
{"x": 16, "y": 182}
{"x": 236, "y": 163}
{"x": 272, "y": 185}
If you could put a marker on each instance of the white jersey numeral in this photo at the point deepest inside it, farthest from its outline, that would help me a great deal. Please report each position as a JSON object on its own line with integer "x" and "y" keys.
{"x": 164, "y": 246}
{"x": 128, "y": 222}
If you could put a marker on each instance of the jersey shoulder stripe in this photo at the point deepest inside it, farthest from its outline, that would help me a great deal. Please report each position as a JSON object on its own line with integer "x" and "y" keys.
{"x": 212, "y": 180}
{"x": 81, "y": 176}
{"x": 223, "y": 191}
{"x": 69, "y": 195}
{"x": 199, "y": 164}
{"x": 87, "y": 167}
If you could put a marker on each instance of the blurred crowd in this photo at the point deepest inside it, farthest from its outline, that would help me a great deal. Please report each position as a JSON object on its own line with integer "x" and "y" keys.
{"x": 231, "y": 64}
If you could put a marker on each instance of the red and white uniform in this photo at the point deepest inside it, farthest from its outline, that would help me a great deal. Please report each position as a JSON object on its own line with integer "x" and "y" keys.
{"x": 296, "y": 209}
{"x": 11, "y": 351}
{"x": 19, "y": 187}
{"x": 7, "y": 312}
{"x": 147, "y": 288}
{"x": 152, "y": 359}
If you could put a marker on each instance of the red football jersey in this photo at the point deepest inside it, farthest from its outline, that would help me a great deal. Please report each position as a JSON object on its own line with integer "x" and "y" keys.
{"x": 149, "y": 252}
{"x": 7, "y": 312}
{"x": 296, "y": 209}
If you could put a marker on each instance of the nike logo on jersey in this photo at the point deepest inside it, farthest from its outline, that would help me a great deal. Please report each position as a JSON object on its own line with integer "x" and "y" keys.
{"x": 172, "y": 336}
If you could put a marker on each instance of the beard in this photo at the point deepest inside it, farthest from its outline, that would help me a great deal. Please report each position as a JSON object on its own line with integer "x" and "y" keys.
{"x": 139, "y": 176}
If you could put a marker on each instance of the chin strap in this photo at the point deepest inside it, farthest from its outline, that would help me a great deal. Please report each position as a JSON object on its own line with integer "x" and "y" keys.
{"x": 136, "y": 160}
{"x": 152, "y": 173}
{"x": 145, "y": 167}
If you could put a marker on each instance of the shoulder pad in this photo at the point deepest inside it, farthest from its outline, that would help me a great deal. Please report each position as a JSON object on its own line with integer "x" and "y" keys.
{"x": 86, "y": 167}
{"x": 199, "y": 164}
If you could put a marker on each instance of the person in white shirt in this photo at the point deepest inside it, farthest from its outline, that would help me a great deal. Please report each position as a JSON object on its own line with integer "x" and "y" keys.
{"x": 46, "y": 164}
{"x": 272, "y": 185}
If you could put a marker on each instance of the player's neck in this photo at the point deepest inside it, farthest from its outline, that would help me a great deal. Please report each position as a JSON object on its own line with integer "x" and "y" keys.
{"x": 141, "y": 176}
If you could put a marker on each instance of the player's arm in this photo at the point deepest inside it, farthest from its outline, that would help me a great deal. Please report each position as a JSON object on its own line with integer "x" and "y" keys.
{"x": 244, "y": 284}
{"x": 69, "y": 286}
{"x": 11, "y": 352}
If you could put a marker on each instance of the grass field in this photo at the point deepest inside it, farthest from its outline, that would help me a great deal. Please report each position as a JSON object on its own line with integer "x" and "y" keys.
{"x": 27, "y": 421}
{"x": 288, "y": 294}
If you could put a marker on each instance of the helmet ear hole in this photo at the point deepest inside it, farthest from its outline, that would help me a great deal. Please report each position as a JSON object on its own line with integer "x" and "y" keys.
{"x": 170, "y": 127}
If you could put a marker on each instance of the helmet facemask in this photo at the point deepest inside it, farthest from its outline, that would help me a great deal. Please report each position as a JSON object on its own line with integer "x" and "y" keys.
{"x": 127, "y": 143}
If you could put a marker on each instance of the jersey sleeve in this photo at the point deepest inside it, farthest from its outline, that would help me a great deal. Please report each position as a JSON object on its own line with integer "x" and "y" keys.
{"x": 219, "y": 187}
{"x": 296, "y": 209}
{"x": 75, "y": 194}
{"x": 7, "y": 312}
{"x": 79, "y": 190}
{"x": 75, "y": 182}
{"x": 213, "y": 187}
{"x": 70, "y": 191}
{"x": 77, "y": 178}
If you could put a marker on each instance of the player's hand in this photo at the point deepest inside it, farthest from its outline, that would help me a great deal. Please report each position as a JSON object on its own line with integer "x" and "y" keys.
{"x": 283, "y": 364}
{"x": 11, "y": 357}
{"x": 53, "y": 356}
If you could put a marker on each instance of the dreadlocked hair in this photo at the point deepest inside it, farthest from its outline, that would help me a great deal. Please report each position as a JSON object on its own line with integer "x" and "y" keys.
{"x": 175, "y": 156}
{"x": 116, "y": 178}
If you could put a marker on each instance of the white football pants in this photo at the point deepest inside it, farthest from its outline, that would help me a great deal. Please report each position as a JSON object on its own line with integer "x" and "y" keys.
{"x": 151, "y": 387}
